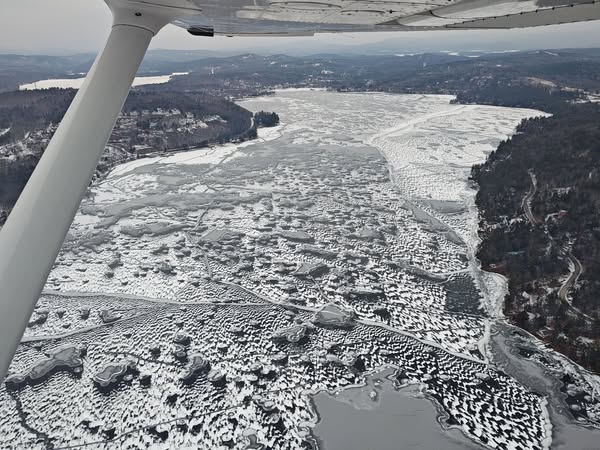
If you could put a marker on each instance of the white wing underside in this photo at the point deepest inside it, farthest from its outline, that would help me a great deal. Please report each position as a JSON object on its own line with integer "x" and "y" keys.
{"x": 306, "y": 17}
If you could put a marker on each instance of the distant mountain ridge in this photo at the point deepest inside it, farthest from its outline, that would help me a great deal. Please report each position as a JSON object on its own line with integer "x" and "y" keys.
{"x": 434, "y": 72}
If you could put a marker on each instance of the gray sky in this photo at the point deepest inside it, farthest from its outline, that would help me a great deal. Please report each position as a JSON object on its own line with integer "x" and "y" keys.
{"x": 71, "y": 26}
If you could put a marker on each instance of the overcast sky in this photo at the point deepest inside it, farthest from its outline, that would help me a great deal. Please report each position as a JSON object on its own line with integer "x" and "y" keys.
{"x": 72, "y": 26}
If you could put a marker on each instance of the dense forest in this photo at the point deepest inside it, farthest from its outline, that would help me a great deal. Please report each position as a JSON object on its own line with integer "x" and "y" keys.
{"x": 561, "y": 156}
{"x": 517, "y": 95}
{"x": 225, "y": 121}
{"x": 24, "y": 111}
{"x": 266, "y": 119}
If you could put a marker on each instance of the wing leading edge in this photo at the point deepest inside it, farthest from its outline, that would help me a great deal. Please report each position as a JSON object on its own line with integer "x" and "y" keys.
{"x": 306, "y": 17}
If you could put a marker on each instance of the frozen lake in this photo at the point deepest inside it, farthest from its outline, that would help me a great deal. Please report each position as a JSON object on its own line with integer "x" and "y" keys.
{"x": 76, "y": 83}
{"x": 212, "y": 294}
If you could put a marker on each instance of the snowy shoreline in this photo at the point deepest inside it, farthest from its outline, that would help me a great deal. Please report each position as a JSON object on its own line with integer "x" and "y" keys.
{"x": 215, "y": 154}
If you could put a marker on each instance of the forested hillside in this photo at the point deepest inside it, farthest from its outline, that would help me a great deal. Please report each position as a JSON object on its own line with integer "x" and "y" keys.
{"x": 539, "y": 198}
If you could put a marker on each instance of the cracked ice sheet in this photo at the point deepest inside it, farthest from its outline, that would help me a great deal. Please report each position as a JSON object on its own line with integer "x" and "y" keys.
{"x": 149, "y": 201}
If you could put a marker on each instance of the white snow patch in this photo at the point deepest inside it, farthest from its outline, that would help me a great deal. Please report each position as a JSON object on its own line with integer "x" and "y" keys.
{"x": 76, "y": 83}
{"x": 547, "y": 440}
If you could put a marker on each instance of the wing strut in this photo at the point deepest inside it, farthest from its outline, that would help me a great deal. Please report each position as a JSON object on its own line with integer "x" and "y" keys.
{"x": 36, "y": 228}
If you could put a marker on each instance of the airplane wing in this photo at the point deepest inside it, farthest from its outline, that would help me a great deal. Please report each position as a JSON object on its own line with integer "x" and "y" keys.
{"x": 306, "y": 17}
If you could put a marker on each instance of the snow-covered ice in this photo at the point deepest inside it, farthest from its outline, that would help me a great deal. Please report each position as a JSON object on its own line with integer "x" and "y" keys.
{"x": 356, "y": 203}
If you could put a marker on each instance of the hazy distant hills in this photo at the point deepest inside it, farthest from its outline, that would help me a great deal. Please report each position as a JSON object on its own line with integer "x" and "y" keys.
{"x": 20, "y": 69}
